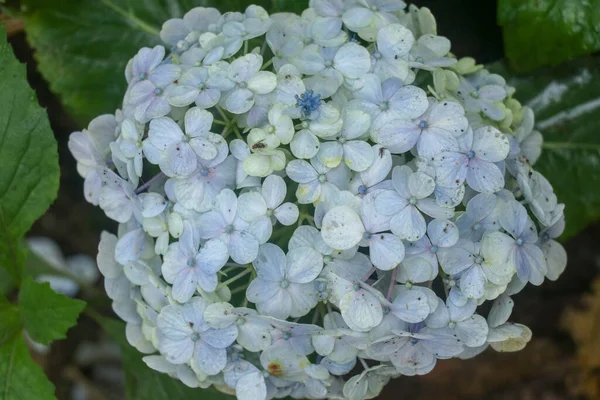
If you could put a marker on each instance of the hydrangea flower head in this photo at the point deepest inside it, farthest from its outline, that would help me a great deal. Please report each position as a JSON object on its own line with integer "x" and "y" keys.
{"x": 301, "y": 215}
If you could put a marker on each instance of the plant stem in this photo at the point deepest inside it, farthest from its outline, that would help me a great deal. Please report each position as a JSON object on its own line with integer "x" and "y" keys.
{"x": 150, "y": 181}
{"x": 235, "y": 278}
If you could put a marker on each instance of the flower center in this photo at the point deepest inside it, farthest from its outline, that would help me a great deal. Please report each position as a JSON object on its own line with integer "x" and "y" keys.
{"x": 271, "y": 129}
{"x": 475, "y": 94}
{"x": 451, "y": 283}
{"x": 471, "y": 154}
{"x": 201, "y": 85}
{"x": 308, "y": 102}
{"x": 409, "y": 285}
{"x": 229, "y": 229}
{"x": 158, "y": 91}
{"x": 433, "y": 249}
{"x": 413, "y": 340}
{"x": 322, "y": 178}
{"x": 269, "y": 212}
{"x": 143, "y": 76}
{"x": 422, "y": 124}
{"x": 327, "y": 259}
{"x": 451, "y": 324}
{"x": 377, "y": 55}
{"x": 476, "y": 227}
{"x": 384, "y": 106}
{"x": 356, "y": 286}
{"x": 191, "y": 262}
{"x": 419, "y": 59}
{"x": 328, "y": 63}
{"x": 243, "y": 85}
{"x": 195, "y": 337}
{"x": 520, "y": 242}
{"x": 286, "y": 336}
{"x": 204, "y": 172}
{"x": 367, "y": 235}
{"x": 412, "y": 201}
{"x": 284, "y": 284}
{"x": 362, "y": 189}
{"x": 478, "y": 260}
{"x": 240, "y": 321}
{"x": 386, "y": 310}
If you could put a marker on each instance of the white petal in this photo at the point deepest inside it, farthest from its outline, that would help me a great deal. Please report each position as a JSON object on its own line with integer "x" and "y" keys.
{"x": 251, "y": 206}
{"x": 342, "y": 228}
{"x": 386, "y": 251}
{"x": 352, "y": 60}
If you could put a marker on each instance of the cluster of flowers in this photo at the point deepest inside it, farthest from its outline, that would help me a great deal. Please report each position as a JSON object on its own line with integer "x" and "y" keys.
{"x": 318, "y": 223}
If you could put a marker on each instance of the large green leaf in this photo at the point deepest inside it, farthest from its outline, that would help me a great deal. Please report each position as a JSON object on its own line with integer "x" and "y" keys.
{"x": 548, "y": 32}
{"x": 29, "y": 170}
{"x": 9, "y": 318}
{"x": 566, "y": 102}
{"x": 20, "y": 377}
{"x": 82, "y": 46}
{"x": 143, "y": 383}
{"x": 46, "y": 315}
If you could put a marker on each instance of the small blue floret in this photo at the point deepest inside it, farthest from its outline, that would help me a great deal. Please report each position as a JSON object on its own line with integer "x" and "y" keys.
{"x": 308, "y": 102}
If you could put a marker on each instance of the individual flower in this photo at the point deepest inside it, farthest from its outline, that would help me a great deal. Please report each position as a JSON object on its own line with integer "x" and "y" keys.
{"x": 329, "y": 67}
{"x": 283, "y": 286}
{"x": 187, "y": 264}
{"x": 225, "y": 223}
{"x": 389, "y": 98}
{"x": 470, "y": 328}
{"x": 316, "y": 180}
{"x": 183, "y": 335}
{"x": 433, "y": 132}
{"x": 268, "y": 203}
{"x": 177, "y": 152}
{"x": 367, "y": 17}
{"x": 475, "y": 162}
{"x": 343, "y": 229}
{"x": 373, "y": 177}
{"x": 520, "y": 249}
{"x": 405, "y": 204}
{"x": 90, "y": 147}
{"x": 249, "y": 81}
{"x": 201, "y": 85}
{"x": 129, "y": 149}
{"x": 393, "y": 44}
{"x": 347, "y": 146}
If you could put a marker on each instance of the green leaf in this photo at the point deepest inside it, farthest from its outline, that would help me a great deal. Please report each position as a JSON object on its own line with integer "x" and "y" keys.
{"x": 20, "y": 377}
{"x": 11, "y": 323}
{"x": 82, "y": 46}
{"x": 548, "y": 32}
{"x": 566, "y": 102}
{"x": 47, "y": 315}
{"x": 29, "y": 170}
{"x": 143, "y": 383}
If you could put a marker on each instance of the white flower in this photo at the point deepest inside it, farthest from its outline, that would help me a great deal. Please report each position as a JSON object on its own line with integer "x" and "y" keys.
{"x": 355, "y": 153}
{"x": 316, "y": 180}
{"x": 184, "y": 335}
{"x": 185, "y": 265}
{"x": 90, "y": 148}
{"x": 268, "y": 203}
{"x": 330, "y": 67}
{"x": 390, "y": 57}
{"x": 225, "y": 223}
{"x": 250, "y": 81}
{"x": 128, "y": 148}
{"x": 201, "y": 85}
{"x": 177, "y": 152}
{"x": 284, "y": 285}
{"x": 367, "y": 17}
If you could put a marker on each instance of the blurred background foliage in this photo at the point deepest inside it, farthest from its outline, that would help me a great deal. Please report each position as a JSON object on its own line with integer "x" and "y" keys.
{"x": 75, "y": 53}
